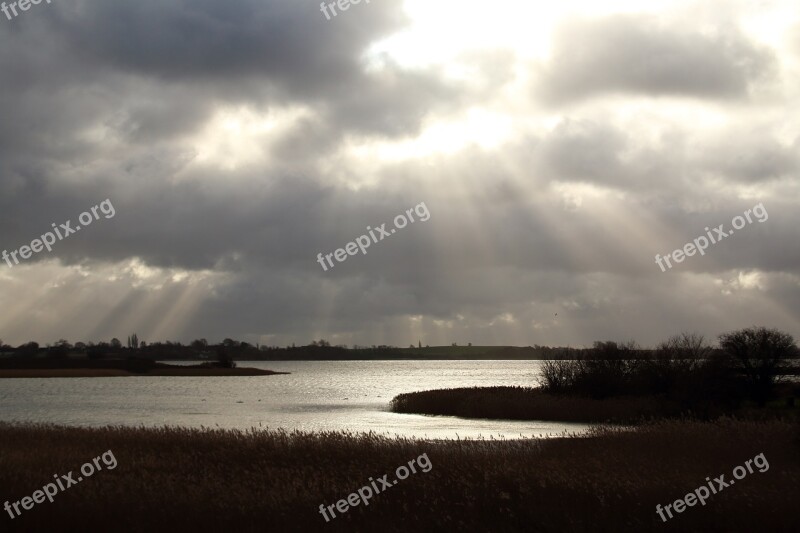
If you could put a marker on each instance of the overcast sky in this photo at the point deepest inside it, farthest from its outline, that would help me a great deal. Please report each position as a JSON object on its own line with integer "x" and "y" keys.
{"x": 558, "y": 148}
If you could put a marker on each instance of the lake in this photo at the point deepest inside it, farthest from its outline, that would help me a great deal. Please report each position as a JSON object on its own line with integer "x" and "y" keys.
{"x": 316, "y": 396}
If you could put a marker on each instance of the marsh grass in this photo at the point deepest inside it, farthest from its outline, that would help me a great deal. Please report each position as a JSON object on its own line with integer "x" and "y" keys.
{"x": 524, "y": 403}
{"x": 528, "y": 403}
{"x": 172, "y": 479}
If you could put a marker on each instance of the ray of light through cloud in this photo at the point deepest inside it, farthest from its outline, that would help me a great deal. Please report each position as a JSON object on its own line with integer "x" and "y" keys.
{"x": 559, "y": 147}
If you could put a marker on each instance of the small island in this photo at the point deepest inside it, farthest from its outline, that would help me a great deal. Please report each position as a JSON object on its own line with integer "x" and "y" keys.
{"x": 75, "y": 368}
{"x": 104, "y": 360}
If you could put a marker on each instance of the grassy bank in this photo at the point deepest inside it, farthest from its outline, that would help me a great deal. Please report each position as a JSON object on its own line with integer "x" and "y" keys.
{"x": 191, "y": 480}
{"x": 87, "y": 368}
{"x": 524, "y": 403}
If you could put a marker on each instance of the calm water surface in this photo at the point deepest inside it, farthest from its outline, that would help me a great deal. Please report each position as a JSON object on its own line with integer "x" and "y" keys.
{"x": 351, "y": 395}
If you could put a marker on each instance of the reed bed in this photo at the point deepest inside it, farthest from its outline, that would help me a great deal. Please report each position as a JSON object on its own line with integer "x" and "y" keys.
{"x": 525, "y": 403}
{"x": 176, "y": 479}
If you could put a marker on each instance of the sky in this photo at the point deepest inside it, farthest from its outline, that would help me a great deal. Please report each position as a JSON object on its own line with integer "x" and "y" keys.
{"x": 557, "y": 149}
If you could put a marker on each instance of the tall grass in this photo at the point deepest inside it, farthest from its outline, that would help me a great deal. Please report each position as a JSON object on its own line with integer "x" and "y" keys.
{"x": 172, "y": 479}
{"x": 524, "y": 403}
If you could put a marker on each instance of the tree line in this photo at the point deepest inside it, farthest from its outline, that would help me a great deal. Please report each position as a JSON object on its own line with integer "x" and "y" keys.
{"x": 745, "y": 365}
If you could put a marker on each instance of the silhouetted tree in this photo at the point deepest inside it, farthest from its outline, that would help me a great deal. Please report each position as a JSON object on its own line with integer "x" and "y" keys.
{"x": 97, "y": 351}
{"x": 760, "y": 353}
{"x": 608, "y": 369}
{"x": 60, "y": 349}
{"x": 224, "y": 358}
{"x": 199, "y": 344}
{"x": 676, "y": 359}
{"x": 133, "y": 341}
{"x": 28, "y": 349}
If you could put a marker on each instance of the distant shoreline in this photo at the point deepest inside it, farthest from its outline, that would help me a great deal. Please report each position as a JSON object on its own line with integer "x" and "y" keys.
{"x": 246, "y": 352}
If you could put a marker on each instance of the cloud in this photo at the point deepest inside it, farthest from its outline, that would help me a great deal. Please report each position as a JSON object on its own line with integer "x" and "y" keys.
{"x": 202, "y": 40}
{"x": 641, "y": 55}
{"x": 236, "y": 141}
{"x": 751, "y": 157}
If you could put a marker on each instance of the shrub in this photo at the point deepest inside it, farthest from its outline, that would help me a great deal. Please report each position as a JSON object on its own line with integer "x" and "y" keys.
{"x": 608, "y": 369}
{"x": 557, "y": 376}
{"x": 684, "y": 371}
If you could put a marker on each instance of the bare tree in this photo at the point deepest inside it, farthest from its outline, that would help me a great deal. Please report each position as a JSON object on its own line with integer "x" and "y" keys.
{"x": 685, "y": 352}
{"x": 760, "y": 353}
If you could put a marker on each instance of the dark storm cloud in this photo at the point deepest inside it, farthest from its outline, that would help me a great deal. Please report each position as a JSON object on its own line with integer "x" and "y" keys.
{"x": 99, "y": 94}
{"x": 640, "y": 54}
{"x": 149, "y": 71}
{"x": 259, "y": 52}
{"x": 601, "y": 153}
{"x": 206, "y": 40}
{"x": 107, "y": 99}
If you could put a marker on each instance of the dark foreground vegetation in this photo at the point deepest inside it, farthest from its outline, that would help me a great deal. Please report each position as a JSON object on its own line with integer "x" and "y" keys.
{"x": 527, "y": 403}
{"x": 524, "y": 403}
{"x": 615, "y": 382}
{"x": 191, "y": 480}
